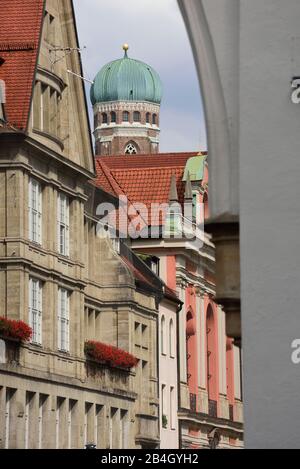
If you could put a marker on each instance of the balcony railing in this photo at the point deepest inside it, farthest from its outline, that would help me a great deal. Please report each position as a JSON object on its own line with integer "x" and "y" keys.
{"x": 193, "y": 402}
{"x": 212, "y": 408}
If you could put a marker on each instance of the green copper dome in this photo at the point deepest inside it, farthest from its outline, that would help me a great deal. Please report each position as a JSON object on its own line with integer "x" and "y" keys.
{"x": 126, "y": 80}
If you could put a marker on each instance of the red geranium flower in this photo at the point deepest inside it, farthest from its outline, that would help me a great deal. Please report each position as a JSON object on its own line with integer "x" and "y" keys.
{"x": 110, "y": 355}
{"x": 18, "y": 330}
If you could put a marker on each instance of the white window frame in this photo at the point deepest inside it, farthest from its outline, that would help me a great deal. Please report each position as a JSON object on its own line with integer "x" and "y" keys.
{"x": 36, "y": 310}
{"x": 63, "y": 320}
{"x": 63, "y": 224}
{"x": 35, "y": 211}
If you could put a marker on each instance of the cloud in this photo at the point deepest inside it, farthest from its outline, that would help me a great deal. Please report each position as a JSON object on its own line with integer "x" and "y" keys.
{"x": 156, "y": 34}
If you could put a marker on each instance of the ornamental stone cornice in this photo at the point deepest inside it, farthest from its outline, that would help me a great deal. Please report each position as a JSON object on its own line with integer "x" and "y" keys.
{"x": 126, "y": 106}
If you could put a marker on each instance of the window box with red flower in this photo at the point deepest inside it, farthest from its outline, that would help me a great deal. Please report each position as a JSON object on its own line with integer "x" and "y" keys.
{"x": 12, "y": 333}
{"x": 109, "y": 355}
{"x": 15, "y": 330}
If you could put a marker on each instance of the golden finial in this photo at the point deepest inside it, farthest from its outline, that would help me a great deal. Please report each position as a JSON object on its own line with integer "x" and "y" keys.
{"x": 125, "y": 47}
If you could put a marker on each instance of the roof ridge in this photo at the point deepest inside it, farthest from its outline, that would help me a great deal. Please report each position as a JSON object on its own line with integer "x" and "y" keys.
{"x": 114, "y": 184}
{"x": 17, "y": 46}
{"x": 161, "y": 168}
{"x": 155, "y": 155}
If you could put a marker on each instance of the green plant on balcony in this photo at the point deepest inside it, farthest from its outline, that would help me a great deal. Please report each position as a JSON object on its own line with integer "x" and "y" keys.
{"x": 164, "y": 420}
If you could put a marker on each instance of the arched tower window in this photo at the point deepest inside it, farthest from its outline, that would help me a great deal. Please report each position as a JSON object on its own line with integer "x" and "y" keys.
{"x": 113, "y": 117}
{"x": 163, "y": 335}
{"x": 125, "y": 116}
{"x": 212, "y": 365}
{"x": 148, "y": 115}
{"x": 136, "y": 116}
{"x": 104, "y": 118}
{"x": 154, "y": 119}
{"x": 172, "y": 339}
{"x": 131, "y": 149}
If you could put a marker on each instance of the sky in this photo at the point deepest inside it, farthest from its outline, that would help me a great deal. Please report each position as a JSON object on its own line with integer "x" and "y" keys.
{"x": 156, "y": 35}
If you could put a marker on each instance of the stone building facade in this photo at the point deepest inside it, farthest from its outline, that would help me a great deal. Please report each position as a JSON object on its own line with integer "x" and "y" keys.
{"x": 56, "y": 273}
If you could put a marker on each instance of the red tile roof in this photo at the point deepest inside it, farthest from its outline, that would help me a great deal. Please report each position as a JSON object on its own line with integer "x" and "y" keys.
{"x": 20, "y": 30}
{"x": 143, "y": 178}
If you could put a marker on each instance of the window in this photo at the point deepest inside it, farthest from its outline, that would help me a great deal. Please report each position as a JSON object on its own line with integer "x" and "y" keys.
{"x": 53, "y": 112}
{"x": 63, "y": 320}
{"x": 154, "y": 119}
{"x": 163, "y": 407}
{"x": 45, "y": 99}
{"x": 136, "y": 116}
{"x": 104, "y": 118}
{"x": 63, "y": 224}
{"x": 172, "y": 339}
{"x": 172, "y": 409}
{"x": 113, "y": 118}
{"x": 163, "y": 335}
{"x": 35, "y": 310}
{"x": 125, "y": 116}
{"x": 49, "y": 28}
{"x": 130, "y": 149}
{"x": 148, "y": 118}
{"x": 35, "y": 211}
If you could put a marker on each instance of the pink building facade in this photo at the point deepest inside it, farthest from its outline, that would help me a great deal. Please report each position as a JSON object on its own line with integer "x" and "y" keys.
{"x": 205, "y": 369}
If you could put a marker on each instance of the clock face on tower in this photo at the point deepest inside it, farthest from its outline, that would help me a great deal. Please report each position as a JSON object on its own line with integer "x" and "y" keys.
{"x": 126, "y": 96}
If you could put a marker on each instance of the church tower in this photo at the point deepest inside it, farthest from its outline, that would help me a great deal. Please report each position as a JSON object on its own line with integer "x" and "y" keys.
{"x": 126, "y": 97}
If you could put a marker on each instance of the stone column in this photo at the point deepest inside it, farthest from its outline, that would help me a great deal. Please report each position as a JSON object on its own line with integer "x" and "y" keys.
{"x": 49, "y": 423}
{"x": 101, "y": 425}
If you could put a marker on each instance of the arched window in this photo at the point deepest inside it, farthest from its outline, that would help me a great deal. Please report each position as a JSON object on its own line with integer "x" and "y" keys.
{"x": 190, "y": 348}
{"x": 163, "y": 335}
{"x": 113, "y": 117}
{"x": 130, "y": 149}
{"x": 104, "y": 118}
{"x": 148, "y": 118}
{"x": 125, "y": 116}
{"x": 154, "y": 119}
{"x": 212, "y": 365}
{"x": 172, "y": 339}
{"x": 136, "y": 116}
